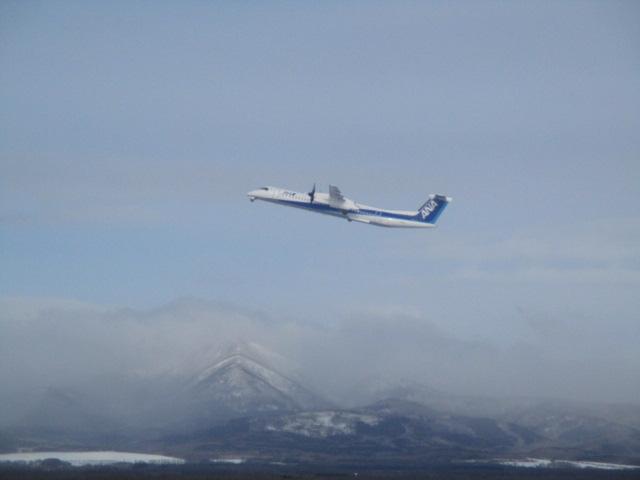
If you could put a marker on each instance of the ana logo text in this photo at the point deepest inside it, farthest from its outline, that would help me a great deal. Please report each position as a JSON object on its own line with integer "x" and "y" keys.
{"x": 429, "y": 207}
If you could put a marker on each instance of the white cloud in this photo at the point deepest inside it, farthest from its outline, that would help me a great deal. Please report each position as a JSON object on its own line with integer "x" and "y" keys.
{"x": 49, "y": 341}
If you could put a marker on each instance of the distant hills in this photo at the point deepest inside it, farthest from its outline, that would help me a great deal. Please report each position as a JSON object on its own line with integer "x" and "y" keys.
{"x": 242, "y": 401}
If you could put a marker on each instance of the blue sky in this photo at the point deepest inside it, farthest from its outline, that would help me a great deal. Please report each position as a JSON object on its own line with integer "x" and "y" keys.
{"x": 131, "y": 132}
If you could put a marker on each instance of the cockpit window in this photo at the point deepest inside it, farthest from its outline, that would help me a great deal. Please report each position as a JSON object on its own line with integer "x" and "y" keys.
{"x": 264, "y": 188}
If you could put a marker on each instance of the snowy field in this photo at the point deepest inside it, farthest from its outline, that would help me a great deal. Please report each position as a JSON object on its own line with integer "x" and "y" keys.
{"x": 540, "y": 463}
{"x": 78, "y": 459}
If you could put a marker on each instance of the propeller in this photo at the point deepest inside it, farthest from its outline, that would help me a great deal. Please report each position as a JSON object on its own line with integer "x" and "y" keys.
{"x": 312, "y": 193}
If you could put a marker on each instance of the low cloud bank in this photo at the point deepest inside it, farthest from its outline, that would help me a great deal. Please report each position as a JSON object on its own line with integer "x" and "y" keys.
{"x": 51, "y": 342}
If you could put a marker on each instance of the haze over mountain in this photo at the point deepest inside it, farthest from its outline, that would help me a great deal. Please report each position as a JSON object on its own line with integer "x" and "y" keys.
{"x": 53, "y": 343}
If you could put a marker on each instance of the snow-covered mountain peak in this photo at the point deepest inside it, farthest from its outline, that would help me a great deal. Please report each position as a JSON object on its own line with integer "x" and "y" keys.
{"x": 244, "y": 384}
{"x": 207, "y": 357}
{"x": 249, "y": 349}
{"x": 236, "y": 367}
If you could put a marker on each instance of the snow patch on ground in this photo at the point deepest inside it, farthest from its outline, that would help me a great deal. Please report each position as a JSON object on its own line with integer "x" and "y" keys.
{"x": 324, "y": 424}
{"x": 78, "y": 459}
{"x": 542, "y": 463}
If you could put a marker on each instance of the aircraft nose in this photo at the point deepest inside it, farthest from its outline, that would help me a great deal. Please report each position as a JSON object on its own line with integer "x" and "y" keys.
{"x": 253, "y": 194}
{"x": 264, "y": 193}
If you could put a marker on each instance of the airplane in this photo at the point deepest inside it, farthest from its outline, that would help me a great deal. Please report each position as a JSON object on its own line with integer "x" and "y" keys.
{"x": 334, "y": 203}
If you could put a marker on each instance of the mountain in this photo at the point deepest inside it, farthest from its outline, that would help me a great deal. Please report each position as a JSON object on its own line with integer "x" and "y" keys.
{"x": 234, "y": 385}
{"x": 525, "y": 410}
{"x": 55, "y": 419}
{"x": 400, "y": 432}
{"x": 52, "y": 409}
{"x": 562, "y": 428}
{"x": 387, "y": 432}
{"x": 242, "y": 386}
{"x": 242, "y": 401}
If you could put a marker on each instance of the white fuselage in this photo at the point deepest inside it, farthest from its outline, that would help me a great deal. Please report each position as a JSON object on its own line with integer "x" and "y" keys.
{"x": 341, "y": 207}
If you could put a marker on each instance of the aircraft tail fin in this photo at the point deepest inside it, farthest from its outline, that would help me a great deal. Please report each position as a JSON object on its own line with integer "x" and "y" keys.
{"x": 433, "y": 208}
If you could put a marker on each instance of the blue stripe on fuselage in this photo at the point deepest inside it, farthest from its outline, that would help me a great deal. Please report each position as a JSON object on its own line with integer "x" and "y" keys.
{"x": 384, "y": 214}
{"x": 329, "y": 210}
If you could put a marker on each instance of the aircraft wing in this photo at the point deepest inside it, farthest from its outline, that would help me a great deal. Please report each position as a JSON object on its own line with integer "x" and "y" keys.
{"x": 335, "y": 194}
